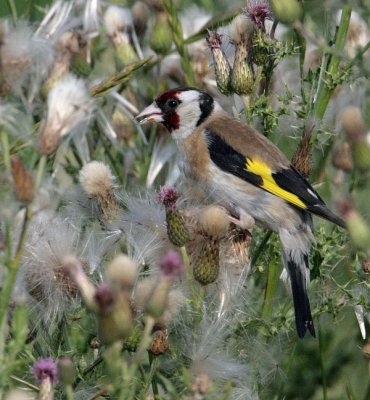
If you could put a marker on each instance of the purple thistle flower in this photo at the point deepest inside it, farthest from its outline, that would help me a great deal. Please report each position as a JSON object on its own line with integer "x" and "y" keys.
{"x": 45, "y": 368}
{"x": 258, "y": 11}
{"x": 171, "y": 264}
{"x": 104, "y": 297}
{"x": 167, "y": 195}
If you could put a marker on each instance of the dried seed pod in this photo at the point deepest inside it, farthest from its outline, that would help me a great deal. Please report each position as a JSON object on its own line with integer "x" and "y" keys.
{"x": 342, "y": 157}
{"x": 23, "y": 182}
{"x": 159, "y": 343}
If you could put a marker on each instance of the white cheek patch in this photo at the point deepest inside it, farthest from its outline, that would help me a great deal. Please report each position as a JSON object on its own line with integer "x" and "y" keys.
{"x": 189, "y": 113}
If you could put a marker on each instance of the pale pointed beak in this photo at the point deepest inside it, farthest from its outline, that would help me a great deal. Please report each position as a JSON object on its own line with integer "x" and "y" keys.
{"x": 151, "y": 114}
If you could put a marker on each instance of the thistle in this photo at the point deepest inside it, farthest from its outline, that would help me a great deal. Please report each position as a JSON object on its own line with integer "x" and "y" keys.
{"x": 213, "y": 225}
{"x": 342, "y": 157}
{"x": 171, "y": 266}
{"x": 177, "y": 231}
{"x": 242, "y": 79}
{"x": 222, "y": 66}
{"x": 286, "y": 11}
{"x": 258, "y": 11}
{"x": 140, "y": 16}
{"x": 97, "y": 181}
{"x": 161, "y": 38}
{"x": 119, "y": 27}
{"x": 358, "y": 229}
{"x": 355, "y": 130}
{"x": 159, "y": 343}
{"x": 69, "y": 104}
{"x": 45, "y": 371}
{"x": 115, "y": 314}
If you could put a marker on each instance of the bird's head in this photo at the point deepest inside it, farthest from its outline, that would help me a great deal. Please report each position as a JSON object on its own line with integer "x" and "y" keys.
{"x": 179, "y": 110}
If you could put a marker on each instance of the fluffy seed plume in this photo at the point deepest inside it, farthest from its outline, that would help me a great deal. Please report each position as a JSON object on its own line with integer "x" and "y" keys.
{"x": 118, "y": 22}
{"x": 119, "y": 26}
{"x": 214, "y": 221}
{"x": 241, "y": 32}
{"x": 213, "y": 224}
{"x": 122, "y": 272}
{"x": 69, "y": 104}
{"x": 241, "y": 29}
{"x": 97, "y": 181}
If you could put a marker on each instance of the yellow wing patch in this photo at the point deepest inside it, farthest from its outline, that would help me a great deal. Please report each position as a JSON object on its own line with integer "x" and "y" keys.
{"x": 261, "y": 169}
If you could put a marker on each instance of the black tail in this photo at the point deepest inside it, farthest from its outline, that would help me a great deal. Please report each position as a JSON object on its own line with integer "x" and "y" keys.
{"x": 303, "y": 317}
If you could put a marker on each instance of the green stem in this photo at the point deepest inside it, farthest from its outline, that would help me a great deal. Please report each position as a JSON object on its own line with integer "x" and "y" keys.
{"x": 146, "y": 338}
{"x": 13, "y": 267}
{"x": 13, "y": 10}
{"x": 324, "y": 90}
{"x": 153, "y": 361}
{"x": 196, "y": 301}
{"x": 40, "y": 172}
{"x": 260, "y": 248}
{"x": 178, "y": 38}
{"x": 69, "y": 392}
{"x": 247, "y": 108}
{"x": 6, "y": 151}
{"x": 271, "y": 289}
{"x": 25, "y": 383}
{"x": 322, "y": 365}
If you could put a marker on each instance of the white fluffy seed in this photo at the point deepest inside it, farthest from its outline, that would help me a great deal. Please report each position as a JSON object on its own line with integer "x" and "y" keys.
{"x": 214, "y": 221}
{"x": 96, "y": 179}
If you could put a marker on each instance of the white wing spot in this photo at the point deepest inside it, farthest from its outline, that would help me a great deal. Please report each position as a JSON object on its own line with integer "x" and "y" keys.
{"x": 312, "y": 193}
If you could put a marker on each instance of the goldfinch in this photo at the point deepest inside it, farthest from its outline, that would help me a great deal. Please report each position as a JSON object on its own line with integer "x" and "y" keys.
{"x": 248, "y": 175}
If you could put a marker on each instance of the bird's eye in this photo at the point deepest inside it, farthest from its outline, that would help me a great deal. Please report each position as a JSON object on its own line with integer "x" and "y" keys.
{"x": 172, "y": 103}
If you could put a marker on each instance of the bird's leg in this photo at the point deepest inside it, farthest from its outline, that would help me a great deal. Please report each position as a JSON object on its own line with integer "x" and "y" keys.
{"x": 245, "y": 220}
